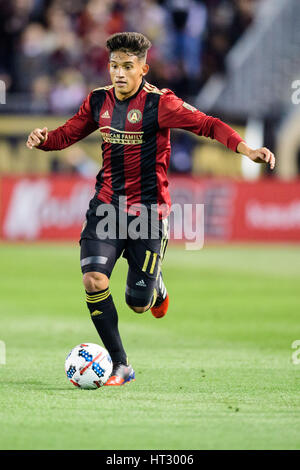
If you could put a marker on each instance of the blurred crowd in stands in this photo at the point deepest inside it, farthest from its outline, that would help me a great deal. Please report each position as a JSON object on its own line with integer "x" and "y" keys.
{"x": 54, "y": 50}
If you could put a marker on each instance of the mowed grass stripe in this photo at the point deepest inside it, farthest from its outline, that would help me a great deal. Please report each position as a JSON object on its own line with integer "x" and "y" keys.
{"x": 216, "y": 373}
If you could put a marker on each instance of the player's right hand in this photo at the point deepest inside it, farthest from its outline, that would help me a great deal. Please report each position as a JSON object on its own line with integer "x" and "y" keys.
{"x": 37, "y": 137}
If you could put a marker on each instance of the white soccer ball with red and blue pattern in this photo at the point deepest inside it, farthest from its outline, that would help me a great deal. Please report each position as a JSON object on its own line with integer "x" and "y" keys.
{"x": 88, "y": 366}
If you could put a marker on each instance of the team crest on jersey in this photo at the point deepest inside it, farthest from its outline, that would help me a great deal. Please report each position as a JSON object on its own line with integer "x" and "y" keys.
{"x": 134, "y": 116}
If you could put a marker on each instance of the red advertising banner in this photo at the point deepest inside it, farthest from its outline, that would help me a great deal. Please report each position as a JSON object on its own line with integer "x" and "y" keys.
{"x": 53, "y": 208}
{"x": 267, "y": 211}
{"x": 38, "y": 208}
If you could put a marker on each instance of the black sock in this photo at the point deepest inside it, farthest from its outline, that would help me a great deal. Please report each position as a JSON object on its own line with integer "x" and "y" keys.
{"x": 105, "y": 318}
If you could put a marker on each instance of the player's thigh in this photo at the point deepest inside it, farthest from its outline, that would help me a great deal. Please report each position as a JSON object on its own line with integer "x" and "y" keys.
{"x": 144, "y": 263}
{"x": 101, "y": 222}
{"x": 139, "y": 288}
{"x": 146, "y": 254}
{"x": 98, "y": 254}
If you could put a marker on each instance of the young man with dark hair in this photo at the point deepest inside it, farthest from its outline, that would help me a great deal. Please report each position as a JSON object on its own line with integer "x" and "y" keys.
{"x": 134, "y": 119}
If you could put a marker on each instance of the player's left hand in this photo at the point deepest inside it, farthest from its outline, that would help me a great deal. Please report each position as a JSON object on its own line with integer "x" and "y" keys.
{"x": 262, "y": 155}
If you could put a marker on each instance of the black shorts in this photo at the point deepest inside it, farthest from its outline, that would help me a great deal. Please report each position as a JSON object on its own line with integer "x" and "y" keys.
{"x": 107, "y": 236}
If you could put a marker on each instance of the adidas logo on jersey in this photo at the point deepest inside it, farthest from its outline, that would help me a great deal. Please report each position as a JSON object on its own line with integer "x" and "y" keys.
{"x": 141, "y": 283}
{"x": 105, "y": 115}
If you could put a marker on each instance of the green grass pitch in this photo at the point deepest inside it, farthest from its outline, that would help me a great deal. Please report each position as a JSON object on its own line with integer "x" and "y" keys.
{"x": 216, "y": 373}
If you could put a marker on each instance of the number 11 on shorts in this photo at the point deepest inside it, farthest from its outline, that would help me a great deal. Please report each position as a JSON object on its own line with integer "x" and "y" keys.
{"x": 146, "y": 262}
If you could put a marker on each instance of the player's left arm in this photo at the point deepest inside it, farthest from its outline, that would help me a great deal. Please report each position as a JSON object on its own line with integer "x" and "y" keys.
{"x": 173, "y": 112}
{"x": 76, "y": 128}
{"x": 261, "y": 155}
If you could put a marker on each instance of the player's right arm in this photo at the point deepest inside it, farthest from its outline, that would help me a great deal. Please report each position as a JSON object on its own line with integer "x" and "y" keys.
{"x": 79, "y": 126}
{"x": 175, "y": 113}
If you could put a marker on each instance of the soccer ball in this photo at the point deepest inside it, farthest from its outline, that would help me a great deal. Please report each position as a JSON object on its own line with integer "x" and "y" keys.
{"x": 88, "y": 366}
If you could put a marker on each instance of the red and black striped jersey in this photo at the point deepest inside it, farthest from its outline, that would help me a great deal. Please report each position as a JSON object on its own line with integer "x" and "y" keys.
{"x": 136, "y": 140}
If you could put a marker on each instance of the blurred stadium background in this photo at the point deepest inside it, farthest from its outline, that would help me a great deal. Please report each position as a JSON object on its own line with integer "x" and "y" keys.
{"x": 235, "y": 59}
{"x": 234, "y": 326}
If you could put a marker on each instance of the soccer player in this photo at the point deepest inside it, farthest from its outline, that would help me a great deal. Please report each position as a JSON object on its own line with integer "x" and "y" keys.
{"x": 134, "y": 119}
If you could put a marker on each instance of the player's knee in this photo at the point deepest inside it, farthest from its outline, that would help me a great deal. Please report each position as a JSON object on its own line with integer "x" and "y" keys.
{"x": 137, "y": 304}
{"x": 138, "y": 300}
{"x": 94, "y": 281}
{"x": 139, "y": 309}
